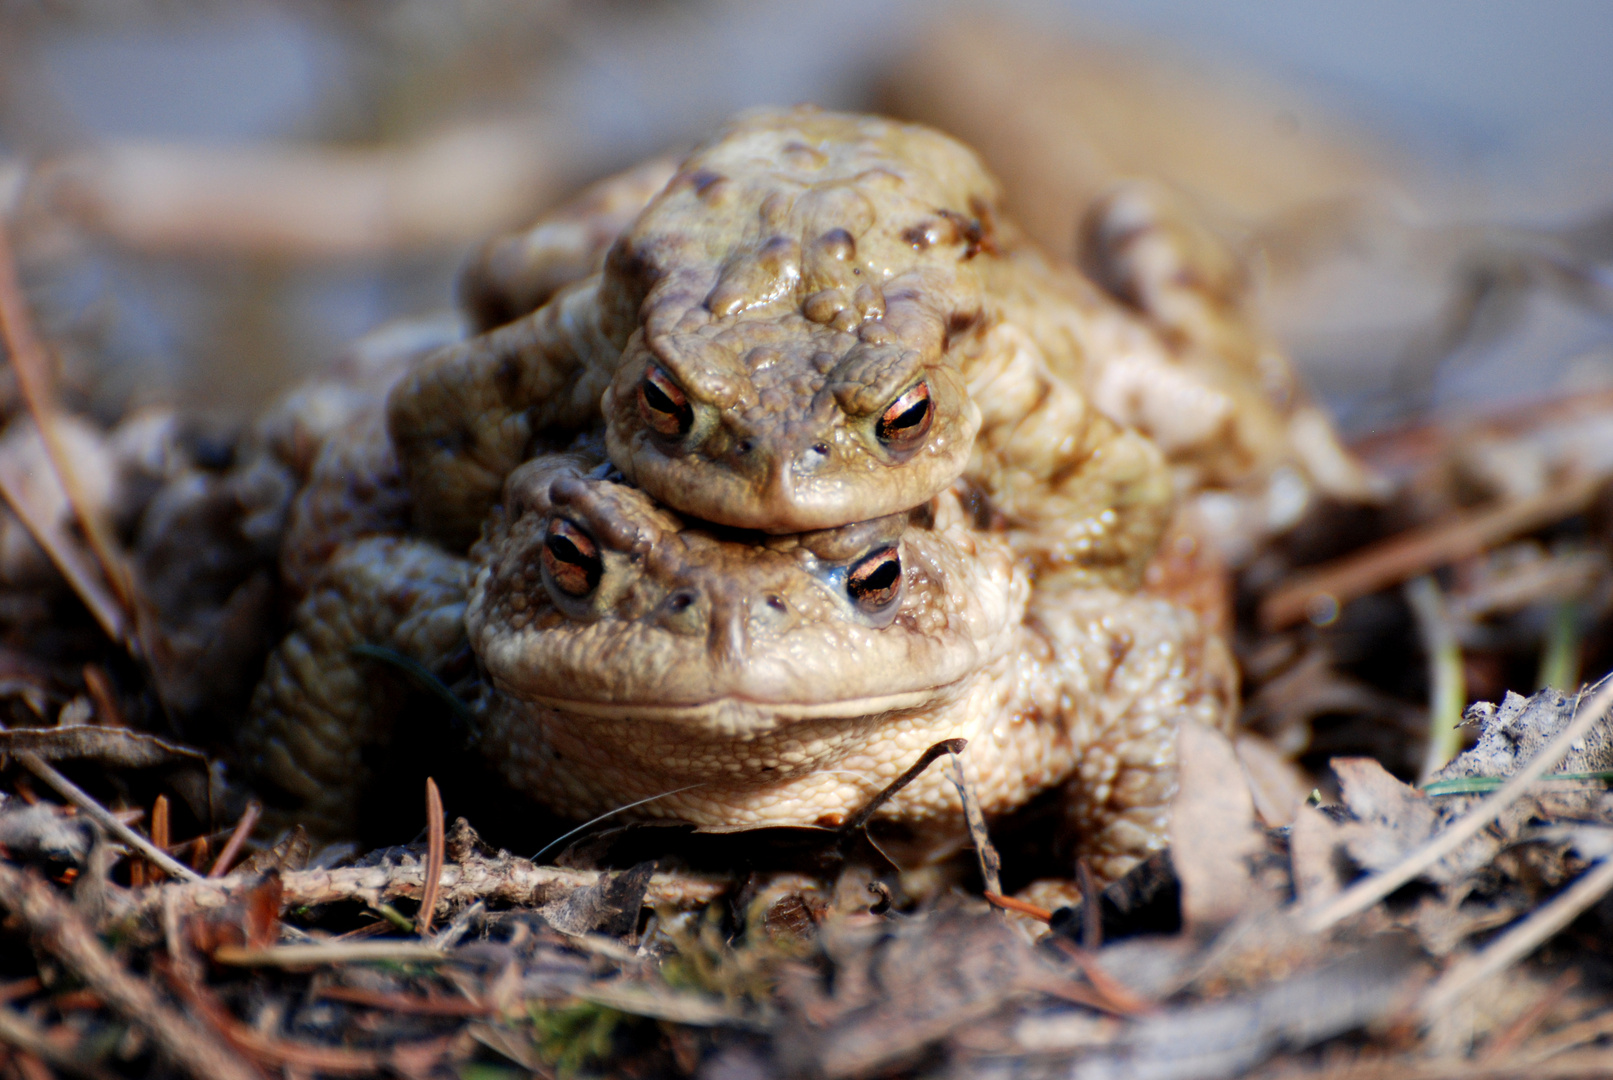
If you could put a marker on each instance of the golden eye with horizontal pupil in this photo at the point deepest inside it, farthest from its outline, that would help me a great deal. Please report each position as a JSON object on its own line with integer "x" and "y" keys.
{"x": 907, "y": 419}
{"x": 874, "y": 582}
{"x": 571, "y": 558}
{"x": 663, "y": 405}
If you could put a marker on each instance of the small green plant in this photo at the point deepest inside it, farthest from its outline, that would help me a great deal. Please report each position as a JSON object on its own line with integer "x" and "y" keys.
{"x": 572, "y": 1036}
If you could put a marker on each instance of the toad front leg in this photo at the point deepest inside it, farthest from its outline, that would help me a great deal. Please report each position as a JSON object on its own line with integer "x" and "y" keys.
{"x": 1083, "y": 500}
{"x": 464, "y": 418}
{"x": 1133, "y": 669}
{"x": 317, "y": 716}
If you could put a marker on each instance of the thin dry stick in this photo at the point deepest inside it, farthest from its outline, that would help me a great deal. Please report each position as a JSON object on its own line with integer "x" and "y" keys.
{"x": 1368, "y": 891}
{"x": 1566, "y": 1038}
{"x": 237, "y": 840}
{"x": 34, "y": 379}
{"x": 1421, "y": 550}
{"x": 407, "y": 1003}
{"x": 159, "y": 829}
{"x": 991, "y": 863}
{"x": 1019, "y": 907}
{"x": 1520, "y": 941}
{"x": 300, "y": 956}
{"x": 913, "y": 772}
{"x": 267, "y": 1050}
{"x": 198, "y": 852}
{"x": 70, "y": 560}
{"x": 62, "y": 933}
{"x": 434, "y": 858}
{"x": 102, "y": 816}
{"x": 504, "y": 879}
{"x": 1505, "y": 1045}
{"x": 99, "y": 684}
{"x": 1091, "y": 910}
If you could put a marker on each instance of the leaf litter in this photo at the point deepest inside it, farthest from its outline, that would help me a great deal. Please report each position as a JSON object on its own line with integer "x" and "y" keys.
{"x": 1376, "y": 928}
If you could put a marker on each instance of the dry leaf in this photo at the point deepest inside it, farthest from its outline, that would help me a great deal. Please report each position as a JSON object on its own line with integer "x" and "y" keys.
{"x": 1278, "y": 786}
{"x": 1213, "y": 831}
{"x": 1391, "y": 818}
{"x": 117, "y": 747}
{"x": 610, "y": 906}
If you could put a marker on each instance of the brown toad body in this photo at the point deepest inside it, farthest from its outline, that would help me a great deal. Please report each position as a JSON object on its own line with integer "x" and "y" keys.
{"x": 823, "y": 318}
{"x": 784, "y": 682}
{"x": 819, "y": 320}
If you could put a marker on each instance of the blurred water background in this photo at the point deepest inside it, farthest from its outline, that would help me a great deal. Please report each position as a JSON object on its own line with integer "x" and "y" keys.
{"x": 211, "y": 198}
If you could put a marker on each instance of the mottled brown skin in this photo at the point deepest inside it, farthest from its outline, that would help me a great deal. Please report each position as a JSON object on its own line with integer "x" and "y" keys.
{"x": 799, "y": 274}
{"x": 1063, "y": 417}
{"x": 517, "y": 273}
{"x": 319, "y": 713}
{"x": 750, "y": 671}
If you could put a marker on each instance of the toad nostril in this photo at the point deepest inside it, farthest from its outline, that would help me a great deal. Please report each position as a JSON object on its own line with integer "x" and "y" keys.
{"x": 813, "y": 458}
{"x": 744, "y": 446}
{"x": 680, "y": 602}
{"x": 777, "y": 603}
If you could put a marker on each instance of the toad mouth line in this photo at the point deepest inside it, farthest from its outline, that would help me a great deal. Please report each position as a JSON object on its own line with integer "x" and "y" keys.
{"x": 847, "y": 708}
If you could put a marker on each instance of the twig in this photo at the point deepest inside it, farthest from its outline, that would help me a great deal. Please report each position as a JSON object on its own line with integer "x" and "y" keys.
{"x": 1368, "y": 891}
{"x": 1513, "y": 1035}
{"x": 1091, "y": 911}
{"x": 397, "y": 919}
{"x": 504, "y": 879}
{"x": 1018, "y": 906}
{"x": 1566, "y": 1038}
{"x": 159, "y": 830}
{"x": 297, "y": 200}
{"x": 1120, "y": 997}
{"x": 356, "y": 952}
{"x": 62, "y": 933}
{"x": 237, "y": 840}
{"x": 410, "y": 1059}
{"x": 99, "y": 684}
{"x": 34, "y": 379}
{"x": 20, "y": 988}
{"x": 991, "y": 863}
{"x": 103, "y": 817}
{"x": 406, "y": 1003}
{"x": 1418, "y": 551}
{"x": 69, "y": 558}
{"x": 913, "y": 771}
{"x": 1521, "y": 940}
{"x": 434, "y": 858}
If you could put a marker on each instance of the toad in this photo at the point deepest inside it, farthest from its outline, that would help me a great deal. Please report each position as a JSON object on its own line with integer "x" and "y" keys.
{"x": 817, "y": 370}
{"x": 751, "y": 680}
{"x": 820, "y": 319}
{"x": 815, "y": 319}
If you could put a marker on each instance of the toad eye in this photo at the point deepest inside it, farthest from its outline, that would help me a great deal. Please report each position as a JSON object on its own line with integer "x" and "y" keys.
{"x": 874, "y": 582}
{"x": 907, "y": 419}
{"x": 570, "y": 558}
{"x": 663, "y": 405}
